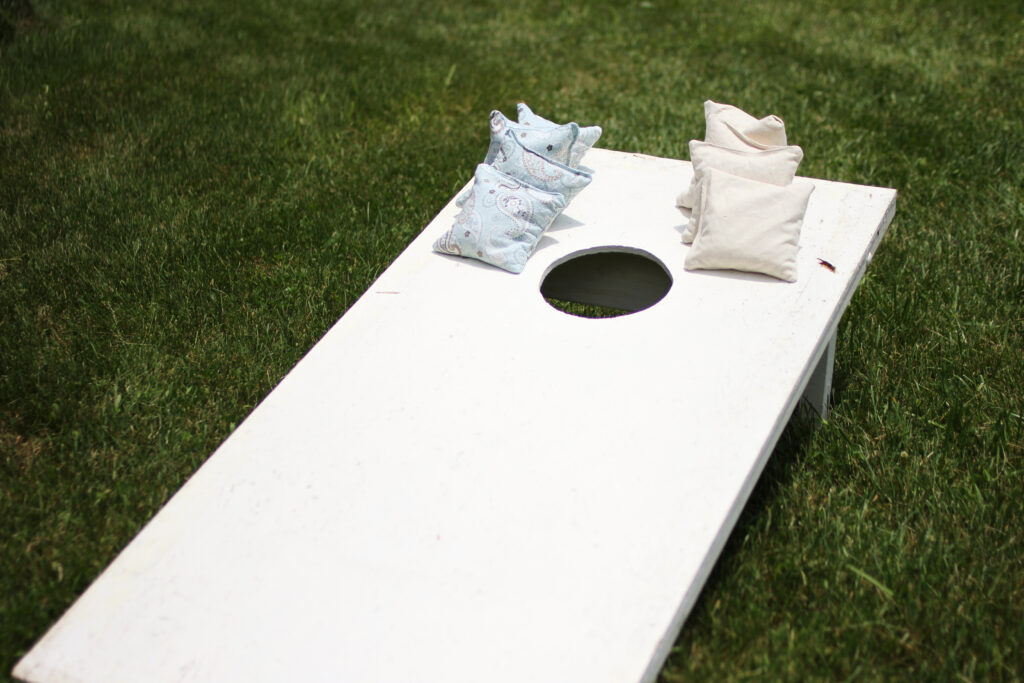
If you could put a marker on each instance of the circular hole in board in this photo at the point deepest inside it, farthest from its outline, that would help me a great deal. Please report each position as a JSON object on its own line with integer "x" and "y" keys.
{"x": 606, "y": 282}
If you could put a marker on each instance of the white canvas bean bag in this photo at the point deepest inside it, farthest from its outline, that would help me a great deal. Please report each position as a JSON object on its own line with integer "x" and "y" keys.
{"x": 731, "y": 127}
{"x": 776, "y": 166}
{"x": 749, "y": 225}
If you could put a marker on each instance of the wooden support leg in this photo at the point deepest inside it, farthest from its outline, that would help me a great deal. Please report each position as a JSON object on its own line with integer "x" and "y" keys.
{"x": 818, "y": 387}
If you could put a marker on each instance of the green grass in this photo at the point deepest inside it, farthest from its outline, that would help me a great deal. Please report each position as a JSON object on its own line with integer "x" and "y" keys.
{"x": 585, "y": 310}
{"x": 192, "y": 192}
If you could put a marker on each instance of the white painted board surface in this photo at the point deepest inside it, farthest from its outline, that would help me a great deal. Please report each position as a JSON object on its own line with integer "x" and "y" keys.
{"x": 461, "y": 483}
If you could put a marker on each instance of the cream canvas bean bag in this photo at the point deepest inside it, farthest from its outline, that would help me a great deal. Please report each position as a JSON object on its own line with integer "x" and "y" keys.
{"x": 731, "y": 127}
{"x": 749, "y": 225}
{"x": 776, "y": 166}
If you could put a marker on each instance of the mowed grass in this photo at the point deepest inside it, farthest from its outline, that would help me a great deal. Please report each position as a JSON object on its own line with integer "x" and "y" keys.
{"x": 191, "y": 193}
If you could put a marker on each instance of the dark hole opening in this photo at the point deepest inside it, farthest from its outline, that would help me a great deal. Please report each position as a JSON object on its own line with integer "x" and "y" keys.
{"x": 606, "y": 284}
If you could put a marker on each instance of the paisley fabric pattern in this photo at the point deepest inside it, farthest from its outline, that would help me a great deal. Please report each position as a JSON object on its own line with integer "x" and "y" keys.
{"x": 523, "y": 164}
{"x": 526, "y": 180}
{"x": 502, "y": 219}
{"x": 584, "y": 140}
{"x": 554, "y": 142}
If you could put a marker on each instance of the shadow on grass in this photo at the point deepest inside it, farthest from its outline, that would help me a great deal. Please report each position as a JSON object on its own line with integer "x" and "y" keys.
{"x": 755, "y": 521}
{"x": 18, "y": 16}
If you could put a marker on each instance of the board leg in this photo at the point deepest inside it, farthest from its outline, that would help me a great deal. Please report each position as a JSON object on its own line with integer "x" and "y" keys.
{"x": 820, "y": 384}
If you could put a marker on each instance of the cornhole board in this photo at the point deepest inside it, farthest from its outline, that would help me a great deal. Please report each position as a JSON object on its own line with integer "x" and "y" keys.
{"x": 461, "y": 483}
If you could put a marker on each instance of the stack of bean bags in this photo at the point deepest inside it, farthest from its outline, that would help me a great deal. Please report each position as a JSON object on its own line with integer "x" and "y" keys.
{"x": 746, "y": 209}
{"x": 530, "y": 174}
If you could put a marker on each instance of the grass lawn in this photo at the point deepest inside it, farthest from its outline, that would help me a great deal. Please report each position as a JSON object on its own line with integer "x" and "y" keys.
{"x": 192, "y": 192}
